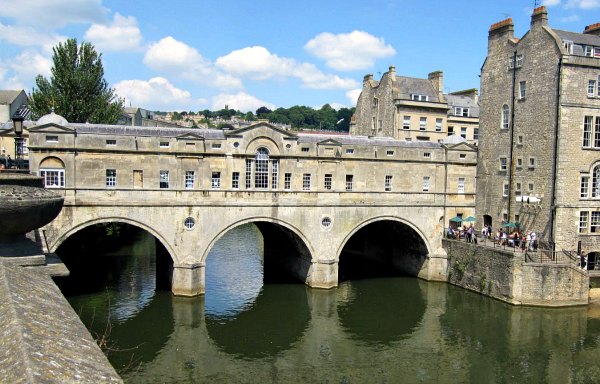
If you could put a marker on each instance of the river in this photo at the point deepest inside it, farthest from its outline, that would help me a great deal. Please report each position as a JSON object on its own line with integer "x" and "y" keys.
{"x": 386, "y": 330}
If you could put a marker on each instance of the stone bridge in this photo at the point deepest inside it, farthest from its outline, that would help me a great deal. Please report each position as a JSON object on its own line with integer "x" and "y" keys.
{"x": 308, "y": 233}
{"x": 317, "y": 199}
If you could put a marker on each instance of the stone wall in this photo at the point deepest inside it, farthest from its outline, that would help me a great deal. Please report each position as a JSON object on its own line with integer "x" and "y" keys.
{"x": 506, "y": 276}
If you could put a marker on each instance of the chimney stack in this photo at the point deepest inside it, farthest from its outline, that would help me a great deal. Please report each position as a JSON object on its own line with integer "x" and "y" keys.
{"x": 437, "y": 80}
{"x": 539, "y": 16}
{"x": 593, "y": 29}
{"x": 503, "y": 27}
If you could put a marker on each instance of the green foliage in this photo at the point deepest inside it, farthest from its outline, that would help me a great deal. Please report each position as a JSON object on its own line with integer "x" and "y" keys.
{"x": 460, "y": 270}
{"x": 77, "y": 89}
{"x": 482, "y": 283}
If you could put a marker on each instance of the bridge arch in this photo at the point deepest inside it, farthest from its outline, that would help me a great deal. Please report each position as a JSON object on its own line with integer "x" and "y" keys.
{"x": 370, "y": 242}
{"x": 112, "y": 219}
{"x": 280, "y": 238}
{"x": 257, "y": 219}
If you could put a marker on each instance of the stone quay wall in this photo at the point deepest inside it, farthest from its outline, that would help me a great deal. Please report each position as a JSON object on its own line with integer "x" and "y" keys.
{"x": 504, "y": 275}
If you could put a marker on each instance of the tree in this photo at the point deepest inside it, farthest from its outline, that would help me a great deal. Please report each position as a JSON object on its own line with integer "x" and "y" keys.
{"x": 77, "y": 89}
{"x": 262, "y": 111}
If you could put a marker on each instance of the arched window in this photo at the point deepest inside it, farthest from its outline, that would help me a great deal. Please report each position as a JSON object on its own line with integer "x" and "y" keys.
{"x": 505, "y": 117}
{"x": 261, "y": 169}
{"x": 596, "y": 181}
{"x": 52, "y": 171}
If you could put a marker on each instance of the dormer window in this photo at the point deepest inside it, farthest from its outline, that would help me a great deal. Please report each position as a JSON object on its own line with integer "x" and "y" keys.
{"x": 460, "y": 111}
{"x": 568, "y": 45}
{"x": 417, "y": 97}
{"x": 589, "y": 51}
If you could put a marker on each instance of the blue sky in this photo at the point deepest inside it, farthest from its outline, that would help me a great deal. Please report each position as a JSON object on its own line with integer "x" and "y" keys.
{"x": 194, "y": 55}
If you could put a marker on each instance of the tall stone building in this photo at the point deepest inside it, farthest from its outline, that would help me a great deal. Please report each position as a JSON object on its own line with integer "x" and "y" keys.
{"x": 539, "y": 163}
{"x": 412, "y": 109}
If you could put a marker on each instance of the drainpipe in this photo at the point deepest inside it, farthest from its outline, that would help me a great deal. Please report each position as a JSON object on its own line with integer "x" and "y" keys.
{"x": 555, "y": 161}
{"x": 512, "y": 136}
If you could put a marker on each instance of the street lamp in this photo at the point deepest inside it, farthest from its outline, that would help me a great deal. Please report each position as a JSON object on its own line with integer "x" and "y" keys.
{"x": 18, "y": 127}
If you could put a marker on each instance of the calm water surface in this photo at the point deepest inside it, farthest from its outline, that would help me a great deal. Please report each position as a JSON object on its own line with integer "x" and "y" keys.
{"x": 392, "y": 330}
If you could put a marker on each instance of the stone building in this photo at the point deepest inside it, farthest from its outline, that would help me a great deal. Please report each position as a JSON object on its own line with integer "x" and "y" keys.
{"x": 540, "y": 133}
{"x": 413, "y": 109}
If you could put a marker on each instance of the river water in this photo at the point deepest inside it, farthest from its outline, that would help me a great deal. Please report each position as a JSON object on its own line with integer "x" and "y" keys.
{"x": 387, "y": 330}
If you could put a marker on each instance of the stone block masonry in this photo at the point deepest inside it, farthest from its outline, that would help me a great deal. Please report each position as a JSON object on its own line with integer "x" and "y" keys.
{"x": 505, "y": 276}
{"x": 43, "y": 340}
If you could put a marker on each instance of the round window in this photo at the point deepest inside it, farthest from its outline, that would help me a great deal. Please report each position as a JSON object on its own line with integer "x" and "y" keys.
{"x": 326, "y": 222}
{"x": 190, "y": 223}
{"x": 288, "y": 146}
{"x": 236, "y": 144}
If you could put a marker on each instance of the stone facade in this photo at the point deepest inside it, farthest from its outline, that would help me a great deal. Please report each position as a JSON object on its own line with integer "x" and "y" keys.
{"x": 413, "y": 109}
{"x": 189, "y": 186}
{"x": 533, "y": 152}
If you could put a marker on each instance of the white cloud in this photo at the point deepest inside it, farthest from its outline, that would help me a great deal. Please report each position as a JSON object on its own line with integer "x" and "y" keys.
{"x": 20, "y": 72}
{"x": 52, "y": 14}
{"x": 157, "y": 93}
{"x": 122, "y": 34}
{"x": 258, "y": 63}
{"x": 28, "y": 36}
{"x": 349, "y": 51}
{"x": 551, "y": 3}
{"x": 352, "y": 96}
{"x": 240, "y": 101}
{"x": 583, "y": 4}
{"x": 178, "y": 59}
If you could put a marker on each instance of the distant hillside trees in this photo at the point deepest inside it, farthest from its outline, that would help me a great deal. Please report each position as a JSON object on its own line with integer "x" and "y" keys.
{"x": 76, "y": 89}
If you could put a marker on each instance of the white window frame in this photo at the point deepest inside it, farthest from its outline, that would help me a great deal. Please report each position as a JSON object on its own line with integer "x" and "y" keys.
{"x": 349, "y": 182}
{"x": 438, "y": 125}
{"x": 235, "y": 180}
{"x": 461, "y": 111}
{"x": 164, "y": 144}
{"x": 388, "y": 183}
{"x": 111, "y": 178}
{"x": 349, "y": 151}
{"x": 522, "y": 89}
{"x": 595, "y": 222}
{"x": 588, "y": 123}
{"x": 505, "y": 117}
{"x": 503, "y": 163}
{"x": 189, "y": 179}
{"x": 306, "y": 182}
{"x": 274, "y": 174}
{"x": 531, "y": 163}
{"x": 389, "y": 152}
{"x": 51, "y": 138}
{"x": 591, "y": 90}
{"x": 588, "y": 51}
{"x": 215, "y": 180}
{"x": 584, "y": 219}
{"x": 287, "y": 181}
{"x": 463, "y": 132}
{"x": 423, "y": 123}
{"x": 426, "y": 183}
{"x": 505, "y": 190}
{"x": 406, "y": 122}
{"x": 111, "y": 142}
{"x": 53, "y": 177}
{"x": 327, "y": 181}
{"x": 163, "y": 180}
{"x": 461, "y": 185}
{"x": 584, "y": 189}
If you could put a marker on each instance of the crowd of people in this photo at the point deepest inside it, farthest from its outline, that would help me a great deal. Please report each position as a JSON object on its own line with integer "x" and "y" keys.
{"x": 511, "y": 237}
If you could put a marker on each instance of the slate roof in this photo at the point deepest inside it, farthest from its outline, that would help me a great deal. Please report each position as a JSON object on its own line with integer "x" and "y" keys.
{"x": 578, "y": 39}
{"x": 462, "y": 101}
{"x": 405, "y": 86}
{"x": 364, "y": 140}
{"x": 127, "y": 130}
{"x": 7, "y": 97}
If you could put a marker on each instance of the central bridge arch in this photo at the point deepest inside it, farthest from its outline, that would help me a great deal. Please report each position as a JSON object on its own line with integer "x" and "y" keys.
{"x": 287, "y": 251}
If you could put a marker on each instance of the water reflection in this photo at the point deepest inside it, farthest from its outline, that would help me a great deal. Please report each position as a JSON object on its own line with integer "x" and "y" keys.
{"x": 379, "y": 330}
{"x": 381, "y": 310}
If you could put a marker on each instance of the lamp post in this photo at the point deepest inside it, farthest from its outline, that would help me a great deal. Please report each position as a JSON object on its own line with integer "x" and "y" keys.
{"x": 18, "y": 127}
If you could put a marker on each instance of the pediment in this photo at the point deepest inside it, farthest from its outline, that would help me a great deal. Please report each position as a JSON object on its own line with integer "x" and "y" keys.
{"x": 263, "y": 128}
{"x": 190, "y": 136}
{"x": 461, "y": 147}
{"x": 330, "y": 142}
{"x": 51, "y": 128}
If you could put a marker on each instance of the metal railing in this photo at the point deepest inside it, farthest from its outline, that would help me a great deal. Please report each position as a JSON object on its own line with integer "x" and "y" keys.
{"x": 533, "y": 251}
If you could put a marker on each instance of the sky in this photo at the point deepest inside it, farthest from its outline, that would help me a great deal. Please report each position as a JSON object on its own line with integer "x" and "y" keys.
{"x": 204, "y": 54}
